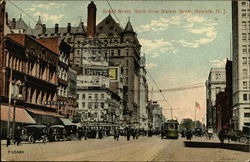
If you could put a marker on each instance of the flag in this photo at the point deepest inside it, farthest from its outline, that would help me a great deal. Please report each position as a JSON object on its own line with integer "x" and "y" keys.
{"x": 197, "y": 105}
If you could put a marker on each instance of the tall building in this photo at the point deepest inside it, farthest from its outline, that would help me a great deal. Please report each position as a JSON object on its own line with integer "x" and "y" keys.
{"x": 143, "y": 113}
{"x": 107, "y": 42}
{"x": 216, "y": 83}
{"x": 241, "y": 63}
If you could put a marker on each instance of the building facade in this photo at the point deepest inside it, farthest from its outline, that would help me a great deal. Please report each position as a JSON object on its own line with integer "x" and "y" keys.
{"x": 107, "y": 42}
{"x": 241, "y": 63}
{"x": 143, "y": 113}
{"x": 216, "y": 83}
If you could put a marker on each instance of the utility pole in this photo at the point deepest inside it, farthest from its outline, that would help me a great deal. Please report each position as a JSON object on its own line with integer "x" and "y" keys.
{"x": 8, "y": 124}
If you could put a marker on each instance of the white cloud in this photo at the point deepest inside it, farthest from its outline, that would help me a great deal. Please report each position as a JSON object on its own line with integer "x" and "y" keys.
{"x": 196, "y": 19}
{"x": 219, "y": 63}
{"x": 151, "y": 65}
{"x": 160, "y": 24}
{"x": 152, "y": 47}
{"x": 47, "y": 6}
{"x": 49, "y": 17}
{"x": 189, "y": 25}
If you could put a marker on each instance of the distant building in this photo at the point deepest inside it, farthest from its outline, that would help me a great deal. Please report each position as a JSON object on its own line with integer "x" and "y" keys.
{"x": 156, "y": 117}
{"x": 143, "y": 113}
{"x": 216, "y": 83}
{"x": 224, "y": 102}
{"x": 241, "y": 63}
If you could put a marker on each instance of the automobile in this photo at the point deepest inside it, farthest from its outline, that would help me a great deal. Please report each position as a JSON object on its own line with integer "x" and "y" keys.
{"x": 33, "y": 133}
{"x": 56, "y": 133}
{"x": 245, "y": 135}
{"x": 71, "y": 132}
{"x": 198, "y": 132}
{"x": 240, "y": 136}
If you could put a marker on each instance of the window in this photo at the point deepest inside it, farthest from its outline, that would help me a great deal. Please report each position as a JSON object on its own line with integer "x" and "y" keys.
{"x": 244, "y": 36}
{"x": 96, "y": 96}
{"x": 246, "y": 115}
{"x": 112, "y": 52}
{"x": 244, "y": 24}
{"x": 126, "y": 71}
{"x": 102, "y": 105}
{"x": 126, "y": 62}
{"x": 77, "y": 96}
{"x": 245, "y": 97}
{"x": 96, "y": 105}
{"x": 244, "y": 12}
{"x": 244, "y": 85}
{"x": 83, "y": 96}
{"x": 244, "y": 72}
{"x": 217, "y": 76}
{"x": 248, "y": 36}
{"x": 218, "y": 89}
{"x": 90, "y": 96}
{"x": 127, "y": 52}
{"x": 244, "y": 60}
{"x": 119, "y": 52}
{"x": 244, "y": 48}
{"x": 102, "y": 96}
{"x": 83, "y": 104}
{"x": 243, "y": 3}
{"x": 90, "y": 105}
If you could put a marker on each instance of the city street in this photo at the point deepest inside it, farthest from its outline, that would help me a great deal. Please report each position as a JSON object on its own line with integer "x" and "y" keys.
{"x": 143, "y": 149}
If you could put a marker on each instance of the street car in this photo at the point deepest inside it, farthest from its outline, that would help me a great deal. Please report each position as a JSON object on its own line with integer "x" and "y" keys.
{"x": 33, "y": 133}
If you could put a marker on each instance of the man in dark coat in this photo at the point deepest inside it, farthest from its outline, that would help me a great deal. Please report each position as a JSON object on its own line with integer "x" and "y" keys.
{"x": 18, "y": 135}
{"x": 128, "y": 134}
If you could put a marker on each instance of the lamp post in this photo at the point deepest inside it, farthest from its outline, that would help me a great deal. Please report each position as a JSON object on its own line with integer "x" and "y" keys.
{"x": 16, "y": 96}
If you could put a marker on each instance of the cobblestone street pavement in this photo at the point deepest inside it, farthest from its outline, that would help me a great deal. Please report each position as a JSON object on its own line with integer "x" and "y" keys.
{"x": 143, "y": 149}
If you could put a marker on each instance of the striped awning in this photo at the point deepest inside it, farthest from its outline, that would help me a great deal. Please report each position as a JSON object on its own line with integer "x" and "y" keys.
{"x": 41, "y": 112}
{"x": 21, "y": 115}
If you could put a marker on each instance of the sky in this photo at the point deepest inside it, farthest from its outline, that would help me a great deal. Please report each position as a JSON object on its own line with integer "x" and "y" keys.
{"x": 181, "y": 40}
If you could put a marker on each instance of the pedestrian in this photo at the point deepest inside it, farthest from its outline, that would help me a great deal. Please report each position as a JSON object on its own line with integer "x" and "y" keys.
{"x": 79, "y": 133}
{"x": 100, "y": 134}
{"x": 18, "y": 135}
{"x": 136, "y": 133}
{"x": 116, "y": 134}
{"x": 222, "y": 136}
{"x": 133, "y": 133}
{"x": 128, "y": 134}
{"x": 85, "y": 133}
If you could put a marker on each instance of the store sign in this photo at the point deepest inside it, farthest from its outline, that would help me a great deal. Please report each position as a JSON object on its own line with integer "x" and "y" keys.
{"x": 113, "y": 73}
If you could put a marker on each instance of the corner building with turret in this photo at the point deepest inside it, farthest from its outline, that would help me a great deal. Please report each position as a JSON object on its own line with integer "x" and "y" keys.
{"x": 105, "y": 42}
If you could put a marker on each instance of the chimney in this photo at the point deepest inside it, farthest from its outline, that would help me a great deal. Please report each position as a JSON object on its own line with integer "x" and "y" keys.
{"x": 56, "y": 28}
{"x": 69, "y": 28}
{"x": 14, "y": 23}
{"x": 43, "y": 29}
{"x": 91, "y": 24}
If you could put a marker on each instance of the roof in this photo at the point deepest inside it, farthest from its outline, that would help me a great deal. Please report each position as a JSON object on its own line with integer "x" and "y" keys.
{"x": 80, "y": 29}
{"x": 20, "y": 24}
{"x": 66, "y": 121}
{"x": 57, "y": 126}
{"x": 36, "y": 126}
{"x": 21, "y": 115}
{"x": 41, "y": 112}
{"x": 108, "y": 26}
{"x": 129, "y": 27}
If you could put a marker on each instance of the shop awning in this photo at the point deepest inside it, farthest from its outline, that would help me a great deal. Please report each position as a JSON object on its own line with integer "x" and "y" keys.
{"x": 21, "y": 115}
{"x": 66, "y": 121}
{"x": 41, "y": 112}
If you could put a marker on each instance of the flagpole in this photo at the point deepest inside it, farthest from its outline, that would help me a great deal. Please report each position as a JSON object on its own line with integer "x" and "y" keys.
{"x": 194, "y": 116}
